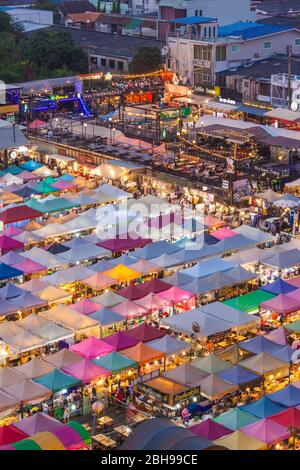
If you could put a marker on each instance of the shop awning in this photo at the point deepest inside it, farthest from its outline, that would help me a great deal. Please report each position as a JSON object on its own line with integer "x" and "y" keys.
{"x": 253, "y": 110}
{"x": 283, "y": 114}
{"x": 57, "y": 381}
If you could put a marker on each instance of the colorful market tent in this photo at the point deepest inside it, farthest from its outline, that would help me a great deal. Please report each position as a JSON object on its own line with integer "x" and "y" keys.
{"x": 68, "y": 318}
{"x": 51, "y": 294}
{"x": 237, "y": 318}
{"x": 152, "y": 302}
{"x": 63, "y": 358}
{"x": 262, "y": 408}
{"x": 8, "y": 244}
{"x": 279, "y": 287}
{"x": 186, "y": 375}
{"x": 184, "y": 322}
{"x": 31, "y": 165}
{"x": 28, "y": 301}
{"x": 206, "y": 267}
{"x": 169, "y": 345}
{"x": 37, "y": 422}
{"x": 29, "y": 266}
{"x": 223, "y": 233}
{"x": 130, "y": 310}
{"x": 53, "y": 333}
{"x": 11, "y": 258}
{"x": 238, "y": 440}
{"x": 284, "y": 260}
{"x": 293, "y": 326}
{"x": 264, "y": 364}
{"x": 27, "y": 391}
{"x": 267, "y": 431}
{"x": 85, "y": 371}
{"x": 153, "y": 250}
{"x": 10, "y": 291}
{"x": 10, "y": 434}
{"x": 214, "y": 388}
{"x": 105, "y": 316}
{"x": 92, "y": 347}
{"x": 238, "y": 375}
{"x": 259, "y": 344}
{"x": 57, "y": 380}
{"x": 250, "y": 302}
{"x": 85, "y": 306}
{"x": 124, "y": 242}
{"x": 34, "y": 368}
{"x": 211, "y": 364}
{"x": 99, "y": 281}
{"x": 283, "y": 304}
{"x": 142, "y": 353}
{"x": 139, "y": 291}
{"x": 10, "y": 376}
{"x": 210, "y": 429}
{"x": 235, "y": 419}
{"x": 7, "y": 401}
{"x": 122, "y": 273}
{"x": 278, "y": 336}
{"x": 115, "y": 362}
{"x": 288, "y": 396}
{"x": 120, "y": 341}
{"x": 287, "y": 418}
{"x": 145, "y": 333}
{"x": 34, "y": 285}
{"x": 175, "y": 295}
{"x": 108, "y": 299}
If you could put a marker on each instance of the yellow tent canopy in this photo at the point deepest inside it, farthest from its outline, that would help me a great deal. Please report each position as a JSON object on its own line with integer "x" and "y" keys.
{"x": 122, "y": 273}
{"x": 238, "y": 440}
{"x": 53, "y": 294}
{"x": 8, "y": 198}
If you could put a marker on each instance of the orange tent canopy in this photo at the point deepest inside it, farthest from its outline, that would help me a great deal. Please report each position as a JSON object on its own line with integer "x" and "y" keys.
{"x": 141, "y": 353}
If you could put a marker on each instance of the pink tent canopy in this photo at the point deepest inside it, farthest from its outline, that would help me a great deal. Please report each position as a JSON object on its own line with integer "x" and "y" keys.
{"x": 283, "y": 303}
{"x": 124, "y": 242}
{"x": 63, "y": 185}
{"x": 91, "y": 348}
{"x": 130, "y": 310}
{"x": 8, "y": 244}
{"x": 266, "y": 431}
{"x": 37, "y": 124}
{"x": 26, "y": 175}
{"x": 223, "y": 233}
{"x": 210, "y": 429}
{"x": 278, "y": 336}
{"x": 175, "y": 295}
{"x": 212, "y": 222}
{"x": 12, "y": 231}
{"x": 121, "y": 341}
{"x": 99, "y": 281}
{"x": 86, "y": 371}
{"x": 29, "y": 266}
{"x": 294, "y": 282}
{"x": 86, "y": 306}
{"x": 152, "y": 302}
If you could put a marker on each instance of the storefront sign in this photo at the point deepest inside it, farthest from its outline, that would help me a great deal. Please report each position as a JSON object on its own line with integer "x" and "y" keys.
{"x": 227, "y": 100}
{"x": 192, "y": 392}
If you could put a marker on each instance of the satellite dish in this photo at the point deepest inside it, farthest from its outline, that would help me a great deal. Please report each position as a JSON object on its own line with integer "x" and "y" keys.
{"x": 196, "y": 327}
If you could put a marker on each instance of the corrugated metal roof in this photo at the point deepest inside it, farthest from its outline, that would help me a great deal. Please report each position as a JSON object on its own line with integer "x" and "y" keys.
{"x": 251, "y": 30}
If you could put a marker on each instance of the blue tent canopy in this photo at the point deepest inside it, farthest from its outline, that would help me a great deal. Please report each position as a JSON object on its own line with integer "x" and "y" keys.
{"x": 238, "y": 375}
{"x": 25, "y": 192}
{"x": 105, "y": 316}
{"x": 31, "y": 165}
{"x": 8, "y": 272}
{"x": 288, "y": 396}
{"x": 284, "y": 354}
{"x": 259, "y": 344}
{"x": 263, "y": 407}
{"x": 279, "y": 287}
{"x": 210, "y": 266}
{"x": 153, "y": 250}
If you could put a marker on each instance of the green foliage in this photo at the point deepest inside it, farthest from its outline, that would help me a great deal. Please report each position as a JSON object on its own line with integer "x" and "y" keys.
{"x": 147, "y": 59}
{"x": 41, "y": 55}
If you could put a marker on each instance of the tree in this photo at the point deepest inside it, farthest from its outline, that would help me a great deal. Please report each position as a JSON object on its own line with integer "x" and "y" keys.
{"x": 146, "y": 59}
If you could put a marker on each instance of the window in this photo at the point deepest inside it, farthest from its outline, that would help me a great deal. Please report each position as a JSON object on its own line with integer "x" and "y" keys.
{"x": 220, "y": 53}
{"x": 267, "y": 45}
{"x": 235, "y": 48}
{"x": 297, "y": 42}
{"x": 209, "y": 32}
{"x": 200, "y": 12}
{"x": 205, "y": 31}
{"x": 120, "y": 65}
{"x": 214, "y": 32}
{"x": 202, "y": 52}
{"x": 196, "y": 12}
{"x": 202, "y": 76}
{"x": 103, "y": 62}
{"x": 111, "y": 64}
{"x": 94, "y": 60}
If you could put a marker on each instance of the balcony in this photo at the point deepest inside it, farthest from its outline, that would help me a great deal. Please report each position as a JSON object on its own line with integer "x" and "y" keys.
{"x": 191, "y": 36}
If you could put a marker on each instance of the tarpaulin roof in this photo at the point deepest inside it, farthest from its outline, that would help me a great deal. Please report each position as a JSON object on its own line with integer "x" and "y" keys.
{"x": 27, "y": 391}
{"x": 294, "y": 326}
{"x": 283, "y": 260}
{"x": 139, "y": 291}
{"x": 99, "y": 281}
{"x": 259, "y": 344}
{"x": 169, "y": 345}
{"x": 85, "y": 371}
{"x": 31, "y": 165}
{"x": 28, "y": 301}
{"x": 92, "y": 347}
{"x": 278, "y": 336}
{"x": 222, "y": 233}
{"x": 186, "y": 375}
{"x": 255, "y": 234}
{"x": 53, "y": 294}
{"x": 283, "y": 303}
{"x": 7, "y": 244}
{"x": 229, "y": 314}
{"x": 63, "y": 358}
{"x": 34, "y": 285}
{"x": 235, "y": 419}
{"x": 122, "y": 273}
{"x": 106, "y": 316}
{"x": 120, "y": 341}
{"x": 142, "y": 353}
{"x": 10, "y": 433}
{"x": 70, "y": 275}
{"x": 210, "y": 429}
{"x": 124, "y": 242}
{"x": 214, "y": 388}
{"x": 57, "y": 381}
{"x": 153, "y": 250}
{"x": 211, "y": 364}
{"x": 249, "y": 302}
{"x": 34, "y": 368}
{"x": 263, "y": 363}
{"x": 11, "y": 291}
{"x": 115, "y": 362}
{"x": 287, "y": 396}
{"x": 68, "y": 318}
{"x": 207, "y": 267}
{"x": 175, "y": 295}
{"x": 249, "y": 256}
{"x": 54, "y": 205}
{"x": 238, "y": 375}
{"x": 130, "y": 310}
{"x": 29, "y": 266}
{"x": 37, "y": 423}
{"x": 238, "y": 440}
{"x": 269, "y": 195}
{"x": 279, "y": 287}
{"x": 145, "y": 333}
{"x": 7, "y": 401}
{"x": 267, "y": 431}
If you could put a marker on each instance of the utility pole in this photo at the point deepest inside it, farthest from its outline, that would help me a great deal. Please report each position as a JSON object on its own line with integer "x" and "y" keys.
{"x": 290, "y": 53}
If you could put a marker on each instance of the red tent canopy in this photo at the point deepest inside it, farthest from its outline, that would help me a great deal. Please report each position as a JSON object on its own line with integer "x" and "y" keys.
{"x": 18, "y": 213}
{"x": 124, "y": 242}
{"x": 289, "y": 417}
{"x": 8, "y": 244}
{"x": 10, "y": 434}
{"x": 145, "y": 333}
{"x": 120, "y": 341}
{"x": 141, "y": 290}
{"x": 37, "y": 124}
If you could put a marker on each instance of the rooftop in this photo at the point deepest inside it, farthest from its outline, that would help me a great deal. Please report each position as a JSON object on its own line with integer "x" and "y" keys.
{"x": 193, "y": 20}
{"x": 278, "y": 6}
{"x": 248, "y": 30}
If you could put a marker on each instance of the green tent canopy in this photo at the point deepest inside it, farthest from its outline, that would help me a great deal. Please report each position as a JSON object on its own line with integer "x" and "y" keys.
{"x": 50, "y": 180}
{"x": 115, "y": 362}
{"x": 53, "y": 205}
{"x": 134, "y": 23}
{"x": 44, "y": 188}
{"x": 250, "y": 302}
{"x": 294, "y": 326}
{"x": 211, "y": 364}
{"x": 57, "y": 381}
{"x": 13, "y": 170}
{"x": 235, "y": 419}
{"x": 26, "y": 444}
{"x": 81, "y": 431}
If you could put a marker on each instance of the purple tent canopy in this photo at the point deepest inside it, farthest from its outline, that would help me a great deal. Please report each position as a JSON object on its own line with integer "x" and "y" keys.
{"x": 210, "y": 429}
{"x": 121, "y": 341}
{"x": 39, "y": 422}
{"x": 124, "y": 242}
